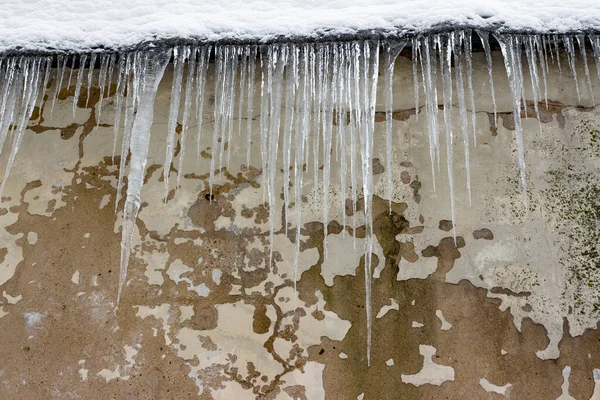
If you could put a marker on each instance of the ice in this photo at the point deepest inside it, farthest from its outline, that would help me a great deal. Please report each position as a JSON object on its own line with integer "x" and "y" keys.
{"x": 180, "y": 55}
{"x": 104, "y": 61}
{"x": 203, "y": 58}
{"x": 485, "y": 40}
{"x": 61, "y": 64}
{"x": 82, "y": 61}
{"x": 445, "y": 45}
{"x": 571, "y": 56}
{"x": 583, "y": 52}
{"x": 251, "y": 52}
{"x": 90, "y": 77}
{"x": 187, "y": 104}
{"x": 511, "y": 51}
{"x": 429, "y": 71}
{"x": 460, "y": 88}
{"x": 153, "y": 64}
{"x": 316, "y": 123}
{"x": 28, "y": 78}
{"x": 391, "y": 52}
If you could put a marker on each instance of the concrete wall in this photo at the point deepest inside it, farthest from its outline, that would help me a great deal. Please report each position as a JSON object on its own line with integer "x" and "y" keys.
{"x": 508, "y": 311}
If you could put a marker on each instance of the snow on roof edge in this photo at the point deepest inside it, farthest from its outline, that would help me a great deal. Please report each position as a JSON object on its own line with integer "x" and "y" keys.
{"x": 319, "y": 36}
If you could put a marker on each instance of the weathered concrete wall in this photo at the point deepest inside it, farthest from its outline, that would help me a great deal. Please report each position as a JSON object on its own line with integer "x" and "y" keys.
{"x": 509, "y": 311}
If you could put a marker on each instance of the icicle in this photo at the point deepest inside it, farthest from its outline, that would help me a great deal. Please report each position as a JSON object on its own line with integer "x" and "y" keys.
{"x": 465, "y": 38}
{"x": 104, "y": 61}
{"x": 543, "y": 63}
{"x": 179, "y": 55}
{"x": 511, "y": 51}
{"x": 221, "y": 60}
{"x": 570, "y": 49}
{"x": 46, "y": 67}
{"x": 300, "y": 145}
{"x": 445, "y": 45}
{"x": 485, "y": 41}
{"x": 203, "y": 59}
{"x": 327, "y": 98}
{"x": 583, "y": 52}
{"x": 291, "y": 79}
{"x": 355, "y": 115}
{"x": 251, "y": 54}
{"x": 187, "y": 103}
{"x": 391, "y": 52}
{"x": 277, "y": 56}
{"x": 231, "y": 94}
{"x": 342, "y": 111}
{"x": 595, "y": 40}
{"x": 119, "y": 93}
{"x": 428, "y": 69}
{"x": 460, "y": 88}
{"x": 153, "y": 66}
{"x": 82, "y": 61}
{"x": 557, "y": 49}
{"x": 533, "y": 74}
{"x": 243, "y": 73}
{"x": 416, "y": 48}
{"x": 265, "y": 90}
{"x": 130, "y": 80}
{"x": 90, "y": 78}
{"x": 370, "y": 72}
{"x": 61, "y": 65}
{"x": 29, "y": 78}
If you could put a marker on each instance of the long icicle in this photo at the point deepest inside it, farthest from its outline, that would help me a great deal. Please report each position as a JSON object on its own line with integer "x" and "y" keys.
{"x": 153, "y": 65}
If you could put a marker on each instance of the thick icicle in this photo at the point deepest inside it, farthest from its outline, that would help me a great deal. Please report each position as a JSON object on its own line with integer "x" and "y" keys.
{"x": 370, "y": 70}
{"x": 180, "y": 55}
{"x": 153, "y": 66}
{"x": 429, "y": 68}
{"x": 131, "y": 80}
{"x": 391, "y": 52}
{"x": 300, "y": 144}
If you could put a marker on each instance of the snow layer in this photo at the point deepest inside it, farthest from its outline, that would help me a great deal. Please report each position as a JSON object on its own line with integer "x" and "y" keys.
{"x": 81, "y": 25}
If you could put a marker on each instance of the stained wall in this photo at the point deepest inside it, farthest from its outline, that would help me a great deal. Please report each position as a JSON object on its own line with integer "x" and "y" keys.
{"x": 507, "y": 310}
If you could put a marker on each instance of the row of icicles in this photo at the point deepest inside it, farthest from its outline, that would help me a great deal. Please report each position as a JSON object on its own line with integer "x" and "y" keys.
{"x": 303, "y": 88}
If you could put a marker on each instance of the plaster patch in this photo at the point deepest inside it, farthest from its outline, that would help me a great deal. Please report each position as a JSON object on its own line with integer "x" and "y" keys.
{"x": 491, "y": 388}
{"x": 445, "y": 324}
{"x": 431, "y": 373}
{"x": 386, "y": 308}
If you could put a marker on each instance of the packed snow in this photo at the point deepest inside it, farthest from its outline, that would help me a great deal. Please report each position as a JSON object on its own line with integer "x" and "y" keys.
{"x": 81, "y": 25}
